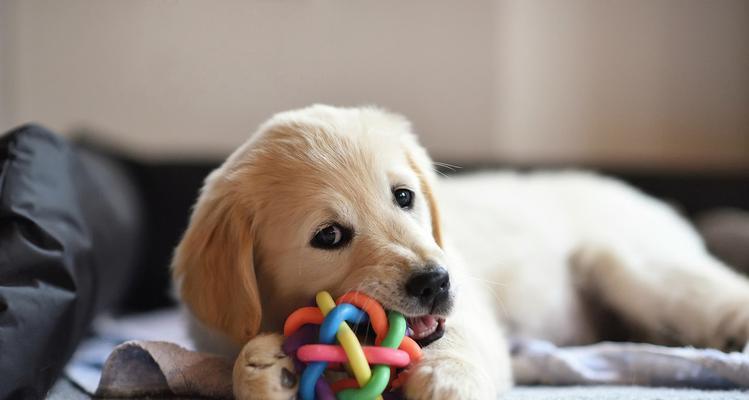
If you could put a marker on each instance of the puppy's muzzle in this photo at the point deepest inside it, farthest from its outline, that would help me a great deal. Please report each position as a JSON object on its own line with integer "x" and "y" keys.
{"x": 430, "y": 288}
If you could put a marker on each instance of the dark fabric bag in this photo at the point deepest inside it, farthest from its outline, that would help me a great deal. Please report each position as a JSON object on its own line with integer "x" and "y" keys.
{"x": 69, "y": 224}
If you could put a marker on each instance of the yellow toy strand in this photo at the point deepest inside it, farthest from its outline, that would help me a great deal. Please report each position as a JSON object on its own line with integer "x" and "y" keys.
{"x": 349, "y": 342}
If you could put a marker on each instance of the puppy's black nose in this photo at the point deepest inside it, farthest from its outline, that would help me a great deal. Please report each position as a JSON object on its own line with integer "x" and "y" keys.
{"x": 429, "y": 286}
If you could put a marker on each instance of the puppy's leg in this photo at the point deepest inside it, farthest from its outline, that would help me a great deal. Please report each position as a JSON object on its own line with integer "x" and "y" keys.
{"x": 693, "y": 300}
{"x": 263, "y": 371}
{"x": 471, "y": 361}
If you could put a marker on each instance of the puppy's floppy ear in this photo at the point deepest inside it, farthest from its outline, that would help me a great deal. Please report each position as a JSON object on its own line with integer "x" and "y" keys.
{"x": 213, "y": 264}
{"x": 422, "y": 165}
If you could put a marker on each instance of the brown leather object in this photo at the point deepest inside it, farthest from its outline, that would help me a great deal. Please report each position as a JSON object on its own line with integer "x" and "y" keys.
{"x": 138, "y": 369}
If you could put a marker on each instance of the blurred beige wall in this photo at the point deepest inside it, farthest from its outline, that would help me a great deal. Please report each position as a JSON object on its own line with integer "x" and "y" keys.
{"x": 629, "y": 82}
{"x": 196, "y": 77}
{"x": 643, "y": 83}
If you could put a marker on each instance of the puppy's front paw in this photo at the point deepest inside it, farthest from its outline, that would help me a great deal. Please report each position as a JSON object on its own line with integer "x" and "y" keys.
{"x": 263, "y": 371}
{"x": 448, "y": 378}
{"x": 732, "y": 328}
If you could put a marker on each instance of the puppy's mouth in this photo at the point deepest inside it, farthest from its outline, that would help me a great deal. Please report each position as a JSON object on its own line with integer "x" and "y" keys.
{"x": 426, "y": 329}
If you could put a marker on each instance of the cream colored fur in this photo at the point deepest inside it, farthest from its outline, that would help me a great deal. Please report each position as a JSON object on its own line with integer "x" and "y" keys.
{"x": 527, "y": 253}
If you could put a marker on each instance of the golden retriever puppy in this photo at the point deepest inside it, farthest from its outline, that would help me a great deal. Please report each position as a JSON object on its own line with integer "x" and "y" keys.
{"x": 342, "y": 199}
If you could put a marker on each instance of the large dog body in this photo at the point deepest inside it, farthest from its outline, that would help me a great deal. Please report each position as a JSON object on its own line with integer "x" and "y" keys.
{"x": 541, "y": 254}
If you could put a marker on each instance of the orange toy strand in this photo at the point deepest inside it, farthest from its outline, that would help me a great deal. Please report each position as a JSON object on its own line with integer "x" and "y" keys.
{"x": 400, "y": 380}
{"x": 301, "y": 317}
{"x": 377, "y": 316}
{"x": 409, "y": 346}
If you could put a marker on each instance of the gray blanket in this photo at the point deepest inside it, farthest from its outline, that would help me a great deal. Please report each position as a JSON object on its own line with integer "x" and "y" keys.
{"x": 540, "y": 362}
{"x": 137, "y": 369}
{"x": 169, "y": 369}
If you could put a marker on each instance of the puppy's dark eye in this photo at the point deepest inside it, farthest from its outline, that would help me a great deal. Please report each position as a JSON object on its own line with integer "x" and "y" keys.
{"x": 331, "y": 237}
{"x": 404, "y": 198}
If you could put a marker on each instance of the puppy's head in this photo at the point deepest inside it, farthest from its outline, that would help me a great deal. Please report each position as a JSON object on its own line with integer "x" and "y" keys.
{"x": 321, "y": 198}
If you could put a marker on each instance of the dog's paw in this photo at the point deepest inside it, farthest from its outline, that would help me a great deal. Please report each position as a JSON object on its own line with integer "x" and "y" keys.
{"x": 263, "y": 371}
{"x": 448, "y": 378}
{"x": 732, "y": 328}
{"x": 591, "y": 261}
